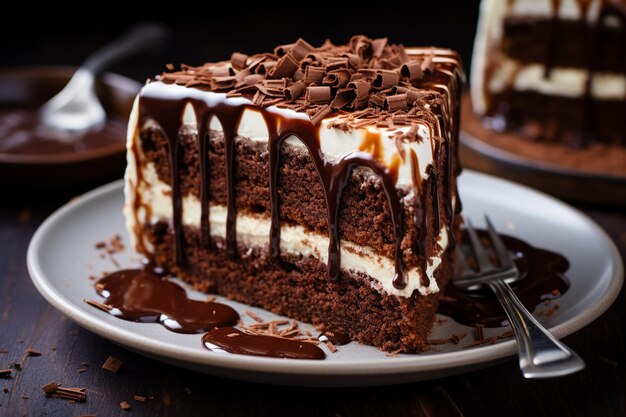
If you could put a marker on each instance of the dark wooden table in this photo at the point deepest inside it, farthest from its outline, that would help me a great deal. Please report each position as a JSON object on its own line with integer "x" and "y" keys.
{"x": 26, "y": 320}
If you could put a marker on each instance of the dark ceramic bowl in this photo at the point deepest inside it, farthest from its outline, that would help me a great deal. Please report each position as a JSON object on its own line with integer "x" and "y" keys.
{"x": 33, "y": 86}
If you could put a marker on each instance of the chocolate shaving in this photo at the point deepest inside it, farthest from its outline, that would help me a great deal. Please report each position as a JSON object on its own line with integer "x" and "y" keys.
{"x": 321, "y": 114}
{"x": 139, "y": 398}
{"x": 385, "y": 79}
{"x": 125, "y": 406}
{"x": 254, "y": 316}
{"x": 294, "y": 91}
{"x": 412, "y": 70}
{"x": 318, "y": 95}
{"x": 239, "y": 61}
{"x": 478, "y": 332}
{"x": 52, "y": 389}
{"x": 112, "y": 364}
{"x": 397, "y": 102}
{"x": 314, "y": 75}
{"x": 96, "y": 304}
{"x": 4, "y": 373}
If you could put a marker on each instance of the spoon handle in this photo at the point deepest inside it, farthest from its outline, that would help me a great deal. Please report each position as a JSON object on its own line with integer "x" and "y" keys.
{"x": 142, "y": 36}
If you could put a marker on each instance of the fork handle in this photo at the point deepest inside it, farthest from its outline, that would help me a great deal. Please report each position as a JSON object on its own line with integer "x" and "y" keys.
{"x": 541, "y": 355}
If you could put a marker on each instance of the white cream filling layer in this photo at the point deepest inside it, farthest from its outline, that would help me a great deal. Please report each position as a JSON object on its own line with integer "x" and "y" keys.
{"x": 254, "y": 231}
{"x": 504, "y": 71}
{"x": 564, "y": 82}
{"x": 334, "y": 143}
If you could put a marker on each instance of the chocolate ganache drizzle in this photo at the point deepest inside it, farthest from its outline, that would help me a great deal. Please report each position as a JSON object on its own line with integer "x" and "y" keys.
{"x": 366, "y": 83}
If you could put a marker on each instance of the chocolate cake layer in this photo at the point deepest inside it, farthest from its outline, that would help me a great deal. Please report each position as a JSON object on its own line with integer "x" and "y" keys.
{"x": 561, "y": 119}
{"x": 298, "y": 288}
{"x": 364, "y": 219}
{"x": 533, "y": 40}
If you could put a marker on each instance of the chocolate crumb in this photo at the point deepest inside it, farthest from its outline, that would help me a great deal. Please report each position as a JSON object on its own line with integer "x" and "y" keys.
{"x": 170, "y": 66}
{"x": 438, "y": 341}
{"x": 4, "y": 373}
{"x": 81, "y": 370}
{"x": 607, "y": 361}
{"x": 188, "y": 390}
{"x": 456, "y": 338}
{"x": 33, "y": 352}
{"x": 100, "y": 306}
{"x": 139, "y": 398}
{"x": 125, "y": 406}
{"x": 84, "y": 364}
{"x": 4, "y": 351}
{"x": 100, "y": 245}
{"x": 393, "y": 354}
{"x": 478, "y": 332}
{"x": 50, "y": 388}
{"x": 330, "y": 346}
{"x": 26, "y": 397}
{"x": 5, "y": 390}
{"x": 112, "y": 364}
{"x": 254, "y": 316}
{"x": 488, "y": 341}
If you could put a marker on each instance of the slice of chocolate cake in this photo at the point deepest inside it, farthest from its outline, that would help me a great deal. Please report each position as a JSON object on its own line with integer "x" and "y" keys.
{"x": 553, "y": 70}
{"x": 318, "y": 183}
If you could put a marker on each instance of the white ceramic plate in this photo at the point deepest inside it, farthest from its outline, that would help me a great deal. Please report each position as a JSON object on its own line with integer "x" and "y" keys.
{"x": 62, "y": 256}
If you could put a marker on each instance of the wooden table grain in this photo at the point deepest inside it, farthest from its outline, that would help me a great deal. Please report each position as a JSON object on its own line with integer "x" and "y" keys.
{"x": 28, "y": 321}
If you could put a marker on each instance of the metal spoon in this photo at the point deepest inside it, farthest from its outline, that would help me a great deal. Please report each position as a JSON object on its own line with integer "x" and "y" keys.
{"x": 77, "y": 108}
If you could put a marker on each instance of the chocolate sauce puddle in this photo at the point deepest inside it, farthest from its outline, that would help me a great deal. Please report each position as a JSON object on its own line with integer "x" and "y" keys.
{"x": 335, "y": 337}
{"x": 543, "y": 278}
{"x": 232, "y": 340}
{"x": 21, "y": 133}
{"x": 142, "y": 296}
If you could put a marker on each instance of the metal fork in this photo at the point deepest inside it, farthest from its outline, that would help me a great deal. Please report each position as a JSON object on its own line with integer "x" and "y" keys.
{"x": 541, "y": 355}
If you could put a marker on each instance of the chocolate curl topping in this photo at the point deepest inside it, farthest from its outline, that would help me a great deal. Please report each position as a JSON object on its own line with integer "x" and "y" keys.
{"x": 361, "y": 45}
{"x": 378, "y": 47}
{"x": 366, "y": 83}
{"x": 222, "y": 83}
{"x": 343, "y": 98}
{"x": 385, "y": 79}
{"x": 397, "y": 102}
{"x": 239, "y": 61}
{"x": 412, "y": 70}
{"x": 301, "y": 49}
{"x": 285, "y": 67}
{"x": 362, "y": 91}
{"x": 337, "y": 78}
{"x": 318, "y": 95}
{"x": 294, "y": 91}
{"x": 253, "y": 79}
{"x": 283, "y": 49}
{"x": 314, "y": 75}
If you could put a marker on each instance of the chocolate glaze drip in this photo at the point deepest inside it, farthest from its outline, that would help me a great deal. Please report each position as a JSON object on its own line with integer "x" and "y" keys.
{"x": 142, "y": 295}
{"x": 542, "y": 272}
{"x": 233, "y": 340}
{"x": 167, "y": 109}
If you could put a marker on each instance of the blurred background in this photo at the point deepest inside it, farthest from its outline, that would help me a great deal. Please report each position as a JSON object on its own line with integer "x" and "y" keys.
{"x": 208, "y": 31}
